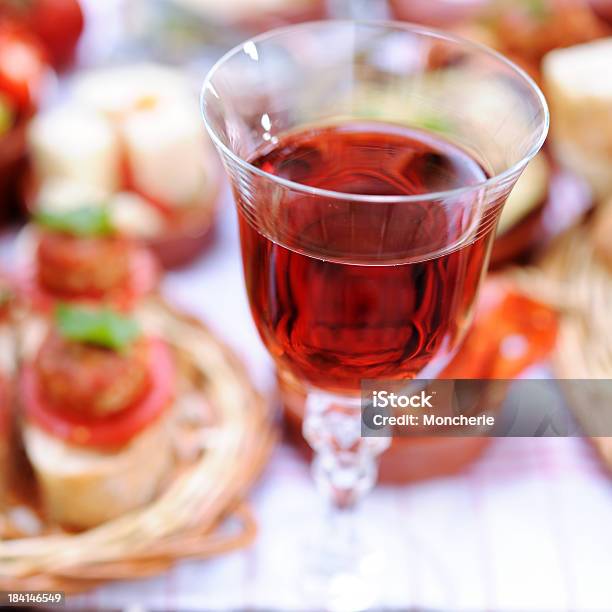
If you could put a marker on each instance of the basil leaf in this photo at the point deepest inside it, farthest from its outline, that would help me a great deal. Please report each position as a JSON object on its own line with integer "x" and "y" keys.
{"x": 100, "y": 327}
{"x": 88, "y": 221}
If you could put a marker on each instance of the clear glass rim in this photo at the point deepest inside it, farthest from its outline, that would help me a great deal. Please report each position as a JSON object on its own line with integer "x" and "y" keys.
{"x": 490, "y": 182}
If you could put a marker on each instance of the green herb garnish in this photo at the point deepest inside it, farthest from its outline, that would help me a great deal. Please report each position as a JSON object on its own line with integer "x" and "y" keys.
{"x": 100, "y": 327}
{"x": 435, "y": 124}
{"x": 88, "y": 221}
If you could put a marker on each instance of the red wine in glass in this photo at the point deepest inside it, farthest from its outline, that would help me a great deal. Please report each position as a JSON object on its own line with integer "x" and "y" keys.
{"x": 356, "y": 289}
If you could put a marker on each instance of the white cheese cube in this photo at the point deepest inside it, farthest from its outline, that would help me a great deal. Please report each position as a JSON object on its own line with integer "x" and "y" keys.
{"x": 167, "y": 153}
{"x": 78, "y": 145}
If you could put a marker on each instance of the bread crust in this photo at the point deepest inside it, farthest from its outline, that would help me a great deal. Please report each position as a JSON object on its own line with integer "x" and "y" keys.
{"x": 83, "y": 487}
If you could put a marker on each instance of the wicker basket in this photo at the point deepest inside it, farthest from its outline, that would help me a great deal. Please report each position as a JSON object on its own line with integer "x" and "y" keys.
{"x": 576, "y": 279}
{"x": 201, "y": 511}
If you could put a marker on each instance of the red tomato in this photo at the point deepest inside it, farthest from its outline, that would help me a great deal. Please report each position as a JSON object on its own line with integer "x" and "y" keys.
{"x": 144, "y": 275}
{"x": 75, "y": 265}
{"x": 111, "y": 431}
{"x": 23, "y": 66}
{"x": 57, "y": 23}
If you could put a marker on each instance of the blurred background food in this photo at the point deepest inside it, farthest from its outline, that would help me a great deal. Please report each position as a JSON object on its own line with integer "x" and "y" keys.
{"x": 82, "y": 255}
{"x": 56, "y": 24}
{"x": 107, "y": 178}
{"x": 580, "y": 103}
{"x": 129, "y": 138}
{"x": 177, "y": 28}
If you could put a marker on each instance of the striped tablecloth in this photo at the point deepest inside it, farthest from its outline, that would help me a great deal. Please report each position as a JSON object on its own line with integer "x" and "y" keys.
{"x": 525, "y": 528}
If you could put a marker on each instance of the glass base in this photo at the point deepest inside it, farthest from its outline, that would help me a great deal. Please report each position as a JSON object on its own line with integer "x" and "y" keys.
{"x": 343, "y": 565}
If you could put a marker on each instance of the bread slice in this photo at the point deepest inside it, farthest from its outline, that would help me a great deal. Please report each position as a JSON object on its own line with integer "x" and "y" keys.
{"x": 580, "y": 96}
{"x": 82, "y": 488}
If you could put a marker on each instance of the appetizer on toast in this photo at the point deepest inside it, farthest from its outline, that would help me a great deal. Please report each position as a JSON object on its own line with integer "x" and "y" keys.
{"x": 79, "y": 255}
{"x": 95, "y": 399}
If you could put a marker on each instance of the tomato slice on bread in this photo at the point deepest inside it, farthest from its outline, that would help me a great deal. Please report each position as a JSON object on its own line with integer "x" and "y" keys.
{"x": 107, "y": 432}
{"x": 144, "y": 274}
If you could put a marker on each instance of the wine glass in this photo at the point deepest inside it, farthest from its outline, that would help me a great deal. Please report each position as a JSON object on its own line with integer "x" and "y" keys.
{"x": 369, "y": 163}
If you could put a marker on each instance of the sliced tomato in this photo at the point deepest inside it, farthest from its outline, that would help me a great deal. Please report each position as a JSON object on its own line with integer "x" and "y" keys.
{"x": 108, "y": 432}
{"x": 143, "y": 280}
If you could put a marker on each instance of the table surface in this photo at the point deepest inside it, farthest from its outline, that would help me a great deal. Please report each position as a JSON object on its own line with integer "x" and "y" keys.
{"x": 524, "y": 528}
